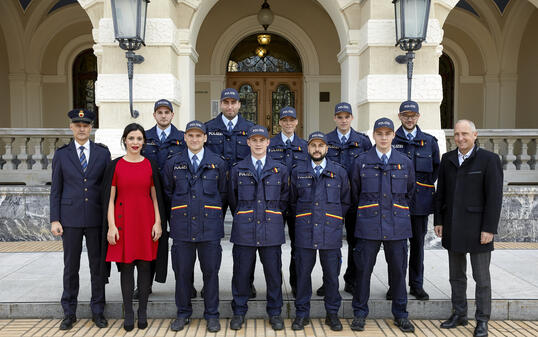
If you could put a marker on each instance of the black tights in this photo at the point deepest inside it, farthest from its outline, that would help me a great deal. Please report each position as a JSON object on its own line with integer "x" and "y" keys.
{"x": 127, "y": 288}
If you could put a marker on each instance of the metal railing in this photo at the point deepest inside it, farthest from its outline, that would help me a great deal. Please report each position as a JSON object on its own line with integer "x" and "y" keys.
{"x": 26, "y": 154}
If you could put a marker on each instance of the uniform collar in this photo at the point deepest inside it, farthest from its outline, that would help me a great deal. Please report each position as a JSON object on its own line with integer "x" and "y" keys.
{"x": 414, "y": 132}
{"x": 323, "y": 164}
{"x": 462, "y": 157}
{"x": 166, "y": 131}
{"x": 341, "y": 134}
{"x": 78, "y": 145}
{"x": 254, "y": 160}
{"x": 284, "y": 138}
{"x": 226, "y": 120}
{"x": 379, "y": 154}
{"x": 199, "y": 155}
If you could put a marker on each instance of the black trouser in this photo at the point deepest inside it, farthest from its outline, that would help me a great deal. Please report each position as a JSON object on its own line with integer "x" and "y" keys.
{"x": 72, "y": 245}
{"x": 457, "y": 265}
{"x": 419, "y": 225}
{"x": 290, "y": 220}
{"x": 351, "y": 271}
{"x": 127, "y": 288}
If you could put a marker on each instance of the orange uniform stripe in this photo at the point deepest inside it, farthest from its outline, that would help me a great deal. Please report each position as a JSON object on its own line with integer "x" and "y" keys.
{"x": 179, "y": 207}
{"x": 302, "y": 214}
{"x": 425, "y": 185}
{"x": 334, "y": 216}
{"x": 368, "y": 206}
{"x": 245, "y": 212}
{"x": 273, "y": 212}
{"x": 400, "y": 206}
{"x": 212, "y": 207}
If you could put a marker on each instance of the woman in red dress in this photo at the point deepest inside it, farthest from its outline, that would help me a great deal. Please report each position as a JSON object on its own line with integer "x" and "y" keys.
{"x": 134, "y": 223}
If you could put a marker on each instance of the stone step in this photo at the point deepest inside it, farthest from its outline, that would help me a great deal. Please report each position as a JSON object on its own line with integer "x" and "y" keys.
{"x": 432, "y": 309}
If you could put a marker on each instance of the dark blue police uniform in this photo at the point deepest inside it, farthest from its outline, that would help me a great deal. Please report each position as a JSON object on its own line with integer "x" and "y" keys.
{"x": 424, "y": 153}
{"x": 75, "y": 201}
{"x": 296, "y": 154}
{"x": 383, "y": 195}
{"x": 345, "y": 154}
{"x": 196, "y": 225}
{"x": 319, "y": 205}
{"x": 230, "y": 145}
{"x": 258, "y": 204}
{"x": 158, "y": 151}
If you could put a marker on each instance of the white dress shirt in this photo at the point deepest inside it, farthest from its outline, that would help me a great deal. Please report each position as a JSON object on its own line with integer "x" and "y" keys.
{"x": 86, "y": 150}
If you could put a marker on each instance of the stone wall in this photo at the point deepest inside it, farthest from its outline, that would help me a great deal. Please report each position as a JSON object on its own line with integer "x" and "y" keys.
{"x": 24, "y": 215}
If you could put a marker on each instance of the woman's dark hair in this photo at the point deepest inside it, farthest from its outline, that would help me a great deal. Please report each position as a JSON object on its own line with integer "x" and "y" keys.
{"x": 132, "y": 127}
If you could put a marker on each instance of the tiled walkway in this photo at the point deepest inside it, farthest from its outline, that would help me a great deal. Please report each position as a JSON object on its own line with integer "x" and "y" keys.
{"x": 259, "y": 328}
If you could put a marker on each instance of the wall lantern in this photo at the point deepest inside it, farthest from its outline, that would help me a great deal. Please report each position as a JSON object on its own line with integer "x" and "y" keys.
{"x": 129, "y": 17}
{"x": 411, "y": 18}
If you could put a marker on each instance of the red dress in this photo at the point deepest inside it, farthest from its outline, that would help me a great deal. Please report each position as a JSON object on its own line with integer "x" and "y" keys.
{"x": 133, "y": 212}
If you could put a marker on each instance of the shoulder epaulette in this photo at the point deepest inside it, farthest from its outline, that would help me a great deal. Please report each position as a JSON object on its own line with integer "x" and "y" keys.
{"x": 102, "y": 145}
{"x": 63, "y": 146}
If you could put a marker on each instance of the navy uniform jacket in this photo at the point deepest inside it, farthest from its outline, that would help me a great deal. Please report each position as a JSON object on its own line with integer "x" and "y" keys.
{"x": 383, "y": 196}
{"x": 196, "y": 197}
{"x": 298, "y": 154}
{"x": 257, "y": 204}
{"x": 159, "y": 152}
{"x": 345, "y": 155}
{"x": 75, "y": 197}
{"x": 232, "y": 146}
{"x": 319, "y": 205}
{"x": 424, "y": 153}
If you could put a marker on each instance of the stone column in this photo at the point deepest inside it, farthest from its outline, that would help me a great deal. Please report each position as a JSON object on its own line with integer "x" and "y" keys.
{"x": 378, "y": 82}
{"x": 507, "y": 118}
{"x": 17, "y": 99}
{"x": 492, "y": 110}
{"x": 311, "y": 104}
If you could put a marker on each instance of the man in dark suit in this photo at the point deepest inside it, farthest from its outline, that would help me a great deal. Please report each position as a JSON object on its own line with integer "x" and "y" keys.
{"x": 75, "y": 212}
{"x": 468, "y": 207}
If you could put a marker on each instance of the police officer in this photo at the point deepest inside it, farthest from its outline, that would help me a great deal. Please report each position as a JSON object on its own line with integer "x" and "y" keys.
{"x": 345, "y": 144}
{"x": 423, "y": 151}
{"x": 382, "y": 184}
{"x": 227, "y": 136}
{"x": 258, "y": 196}
{"x": 320, "y": 197}
{"x": 163, "y": 141}
{"x": 195, "y": 182}
{"x": 75, "y": 212}
{"x": 290, "y": 150}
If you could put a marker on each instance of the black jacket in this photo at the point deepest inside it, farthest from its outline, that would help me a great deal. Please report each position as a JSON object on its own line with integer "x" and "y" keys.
{"x": 162, "y": 252}
{"x": 469, "y": 199}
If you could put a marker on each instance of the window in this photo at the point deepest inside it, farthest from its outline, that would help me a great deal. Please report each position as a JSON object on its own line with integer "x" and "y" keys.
{"x": 84, "y": 77}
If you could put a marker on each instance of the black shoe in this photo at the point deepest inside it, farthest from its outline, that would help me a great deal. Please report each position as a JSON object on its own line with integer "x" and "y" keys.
{"x": 388, "y": 296}
{"x": 404, "y": 324}
{"x": 349, "y": 288}
{"x": 142, "y": 319}
{"x": 142, "y": 324}
{"x": 454, "y": 321}
{"x": 358, "y": 323}
{"x": 136, "y": 293}
{"x": 299, "y": 323}
{"x": 179, "y": 324}
{"x": 99, "y": 320}
{"x": 481, "y": 329}
{"x": 128, "y": 322}
{"x": 213, "y": 325}
{"x": 333, "y": 322}
{"x": 276, "y": 322}
{"x": 294, "y": 292}
{"x": 193, "y": 292}
{"x": 252, "y": 291}
{"x": 67, "y": 322}
{"x": 419, "y": 294}
{"x": 321, "y": 291}
{"x": 237, "y": 322}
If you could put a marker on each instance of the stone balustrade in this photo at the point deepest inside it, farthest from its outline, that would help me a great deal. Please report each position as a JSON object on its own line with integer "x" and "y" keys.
{"x": 516, "y": 148}
{"x": 26, "y": 154}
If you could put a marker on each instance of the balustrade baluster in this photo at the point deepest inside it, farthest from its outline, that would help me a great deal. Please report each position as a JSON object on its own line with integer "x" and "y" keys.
{"x": 510, "y": 157}
{"x": 497, "y": 149}
{"x": 37, "y": 156}
{"x": 9, "y": 157}
{"x": 524, "y": 156}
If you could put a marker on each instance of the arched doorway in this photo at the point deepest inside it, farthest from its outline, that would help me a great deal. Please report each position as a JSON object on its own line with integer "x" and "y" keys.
{"x": 84, "y": 77}
{"x": 446, "y": 70}
{"x": 267, "y": 81}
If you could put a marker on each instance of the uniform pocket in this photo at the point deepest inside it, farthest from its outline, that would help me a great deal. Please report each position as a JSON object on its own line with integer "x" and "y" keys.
{"x": 367, "y": 210}
{"x": 370, "y": 182}
{"x": 423, "y": 162}
{"x": 304, "y": 187}
{"x": 333, "y": 192}
{"x": 399, "y": 181}
{"x": 401, "y": 211}
{"x": 210, "y": 182}
{"x": 272, "y": 186}
{"x": 246, "y": 189}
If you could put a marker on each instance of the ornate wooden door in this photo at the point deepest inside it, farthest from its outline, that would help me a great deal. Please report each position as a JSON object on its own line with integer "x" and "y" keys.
{"x": 264, "y": 94}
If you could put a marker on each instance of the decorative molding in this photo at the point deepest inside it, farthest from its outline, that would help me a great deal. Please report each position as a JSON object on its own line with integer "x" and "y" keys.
{"x": 114, "y": 88}
{"x": 393, "y": 88}
{"x": 85, "y": 4}
{"x": 450, "y": 4}
{"x": 323, "y": 78}
{"x": 54, "y": 79}
{"x": 466, "y": 79}
{"x": 194, "y": 4}
{"x": 159, "y": 31}
{"x": 74, "y": 46}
